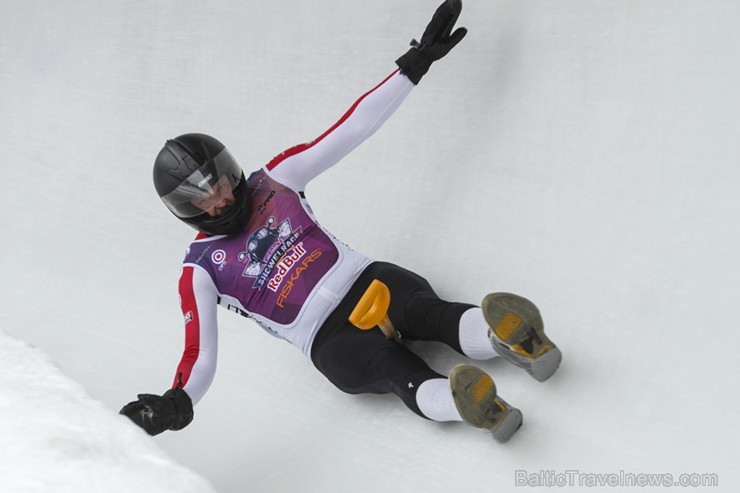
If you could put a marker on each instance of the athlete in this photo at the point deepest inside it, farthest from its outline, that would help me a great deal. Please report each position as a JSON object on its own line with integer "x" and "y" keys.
{"x": 261, "y": 253}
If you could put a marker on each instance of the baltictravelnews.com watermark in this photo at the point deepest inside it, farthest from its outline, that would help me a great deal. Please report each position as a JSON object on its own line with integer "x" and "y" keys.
{"x": 575, "y": 477}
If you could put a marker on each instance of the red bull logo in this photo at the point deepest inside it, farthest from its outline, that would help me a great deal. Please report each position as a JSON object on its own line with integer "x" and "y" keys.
{"x": 285, "y": 291}
{"x": 285, "y": 266}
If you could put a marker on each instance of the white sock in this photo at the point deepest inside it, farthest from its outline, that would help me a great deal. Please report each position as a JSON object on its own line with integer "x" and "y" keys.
{"x": 474, "y": 335}
{"x": 434, "y": 399}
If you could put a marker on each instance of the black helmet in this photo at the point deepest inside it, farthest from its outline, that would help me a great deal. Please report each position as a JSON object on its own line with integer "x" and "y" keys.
{"x": 189, "y": 167}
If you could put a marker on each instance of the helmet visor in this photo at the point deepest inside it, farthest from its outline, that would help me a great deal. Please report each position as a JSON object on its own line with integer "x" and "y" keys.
{"x": 211, "y": 182}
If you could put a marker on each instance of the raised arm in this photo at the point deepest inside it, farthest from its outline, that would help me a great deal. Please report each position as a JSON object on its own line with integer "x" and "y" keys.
{"x": 298, "y": 165}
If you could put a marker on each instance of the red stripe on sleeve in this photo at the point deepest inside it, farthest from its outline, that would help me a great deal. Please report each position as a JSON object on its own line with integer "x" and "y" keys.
{"x": 302, "y": 147}
{"x": 192, "y": 327}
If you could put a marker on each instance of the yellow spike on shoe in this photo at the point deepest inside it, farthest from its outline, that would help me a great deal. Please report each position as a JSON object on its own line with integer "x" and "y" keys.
{"x": 508, "y": 325}
{"x": 481, "y": 388}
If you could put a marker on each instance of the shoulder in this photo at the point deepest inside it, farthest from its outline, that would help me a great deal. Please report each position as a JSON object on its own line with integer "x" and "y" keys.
{"x": 200, "y": 251}
{"x": 265, "y": 182}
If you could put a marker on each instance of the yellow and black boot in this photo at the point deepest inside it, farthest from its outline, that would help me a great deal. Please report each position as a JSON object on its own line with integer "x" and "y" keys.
{"x": 517, "y": 333}
{"x": 474, "y": 393}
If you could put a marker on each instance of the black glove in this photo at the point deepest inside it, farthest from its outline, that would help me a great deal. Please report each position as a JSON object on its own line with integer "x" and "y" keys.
{"x": 154, "y": 413}
{"x": 435, "y": 43}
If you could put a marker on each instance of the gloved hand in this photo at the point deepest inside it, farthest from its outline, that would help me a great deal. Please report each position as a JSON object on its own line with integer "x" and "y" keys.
{"x": 154, "y": 413}
{"x": 435, "y": 43}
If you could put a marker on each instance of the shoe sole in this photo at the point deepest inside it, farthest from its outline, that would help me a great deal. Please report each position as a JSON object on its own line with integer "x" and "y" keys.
{"x": 512, "y": 320}
{"x": 474, "y": 393}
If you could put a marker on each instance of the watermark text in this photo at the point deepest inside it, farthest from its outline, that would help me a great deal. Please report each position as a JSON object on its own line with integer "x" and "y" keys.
{"x": 575, "y": 477}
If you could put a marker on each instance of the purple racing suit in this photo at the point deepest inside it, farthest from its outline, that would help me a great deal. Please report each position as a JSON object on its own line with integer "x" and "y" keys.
{"x": 285, "y": 271}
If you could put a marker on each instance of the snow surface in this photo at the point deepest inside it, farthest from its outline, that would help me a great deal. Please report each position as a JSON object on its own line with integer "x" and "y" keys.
{"x": 57, "y": 438}
{"x": 582, "y": 153}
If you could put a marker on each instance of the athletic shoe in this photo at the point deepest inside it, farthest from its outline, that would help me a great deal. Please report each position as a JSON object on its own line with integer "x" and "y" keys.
{"x": 517, "y": 333}
{"x": 475, "y": 397}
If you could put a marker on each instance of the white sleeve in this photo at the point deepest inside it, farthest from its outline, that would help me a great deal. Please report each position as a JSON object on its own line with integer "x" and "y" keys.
{"x": 198, "y": 300}
{"x": 298, "y": 165}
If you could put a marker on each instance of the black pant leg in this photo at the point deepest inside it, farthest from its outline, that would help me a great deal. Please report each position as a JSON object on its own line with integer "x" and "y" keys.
{"x": 358, "y": 361}
{"x": 416, "y": 311}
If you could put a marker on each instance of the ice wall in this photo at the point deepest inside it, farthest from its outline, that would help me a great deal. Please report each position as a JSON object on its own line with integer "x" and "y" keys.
{"x": 55, "y": 437}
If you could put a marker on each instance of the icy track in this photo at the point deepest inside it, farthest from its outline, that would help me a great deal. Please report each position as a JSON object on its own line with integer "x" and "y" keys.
{"x": 583, "y": 153}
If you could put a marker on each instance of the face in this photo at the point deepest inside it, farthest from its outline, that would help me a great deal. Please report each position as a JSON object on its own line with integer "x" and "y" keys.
{"x": 218, "y": 199}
